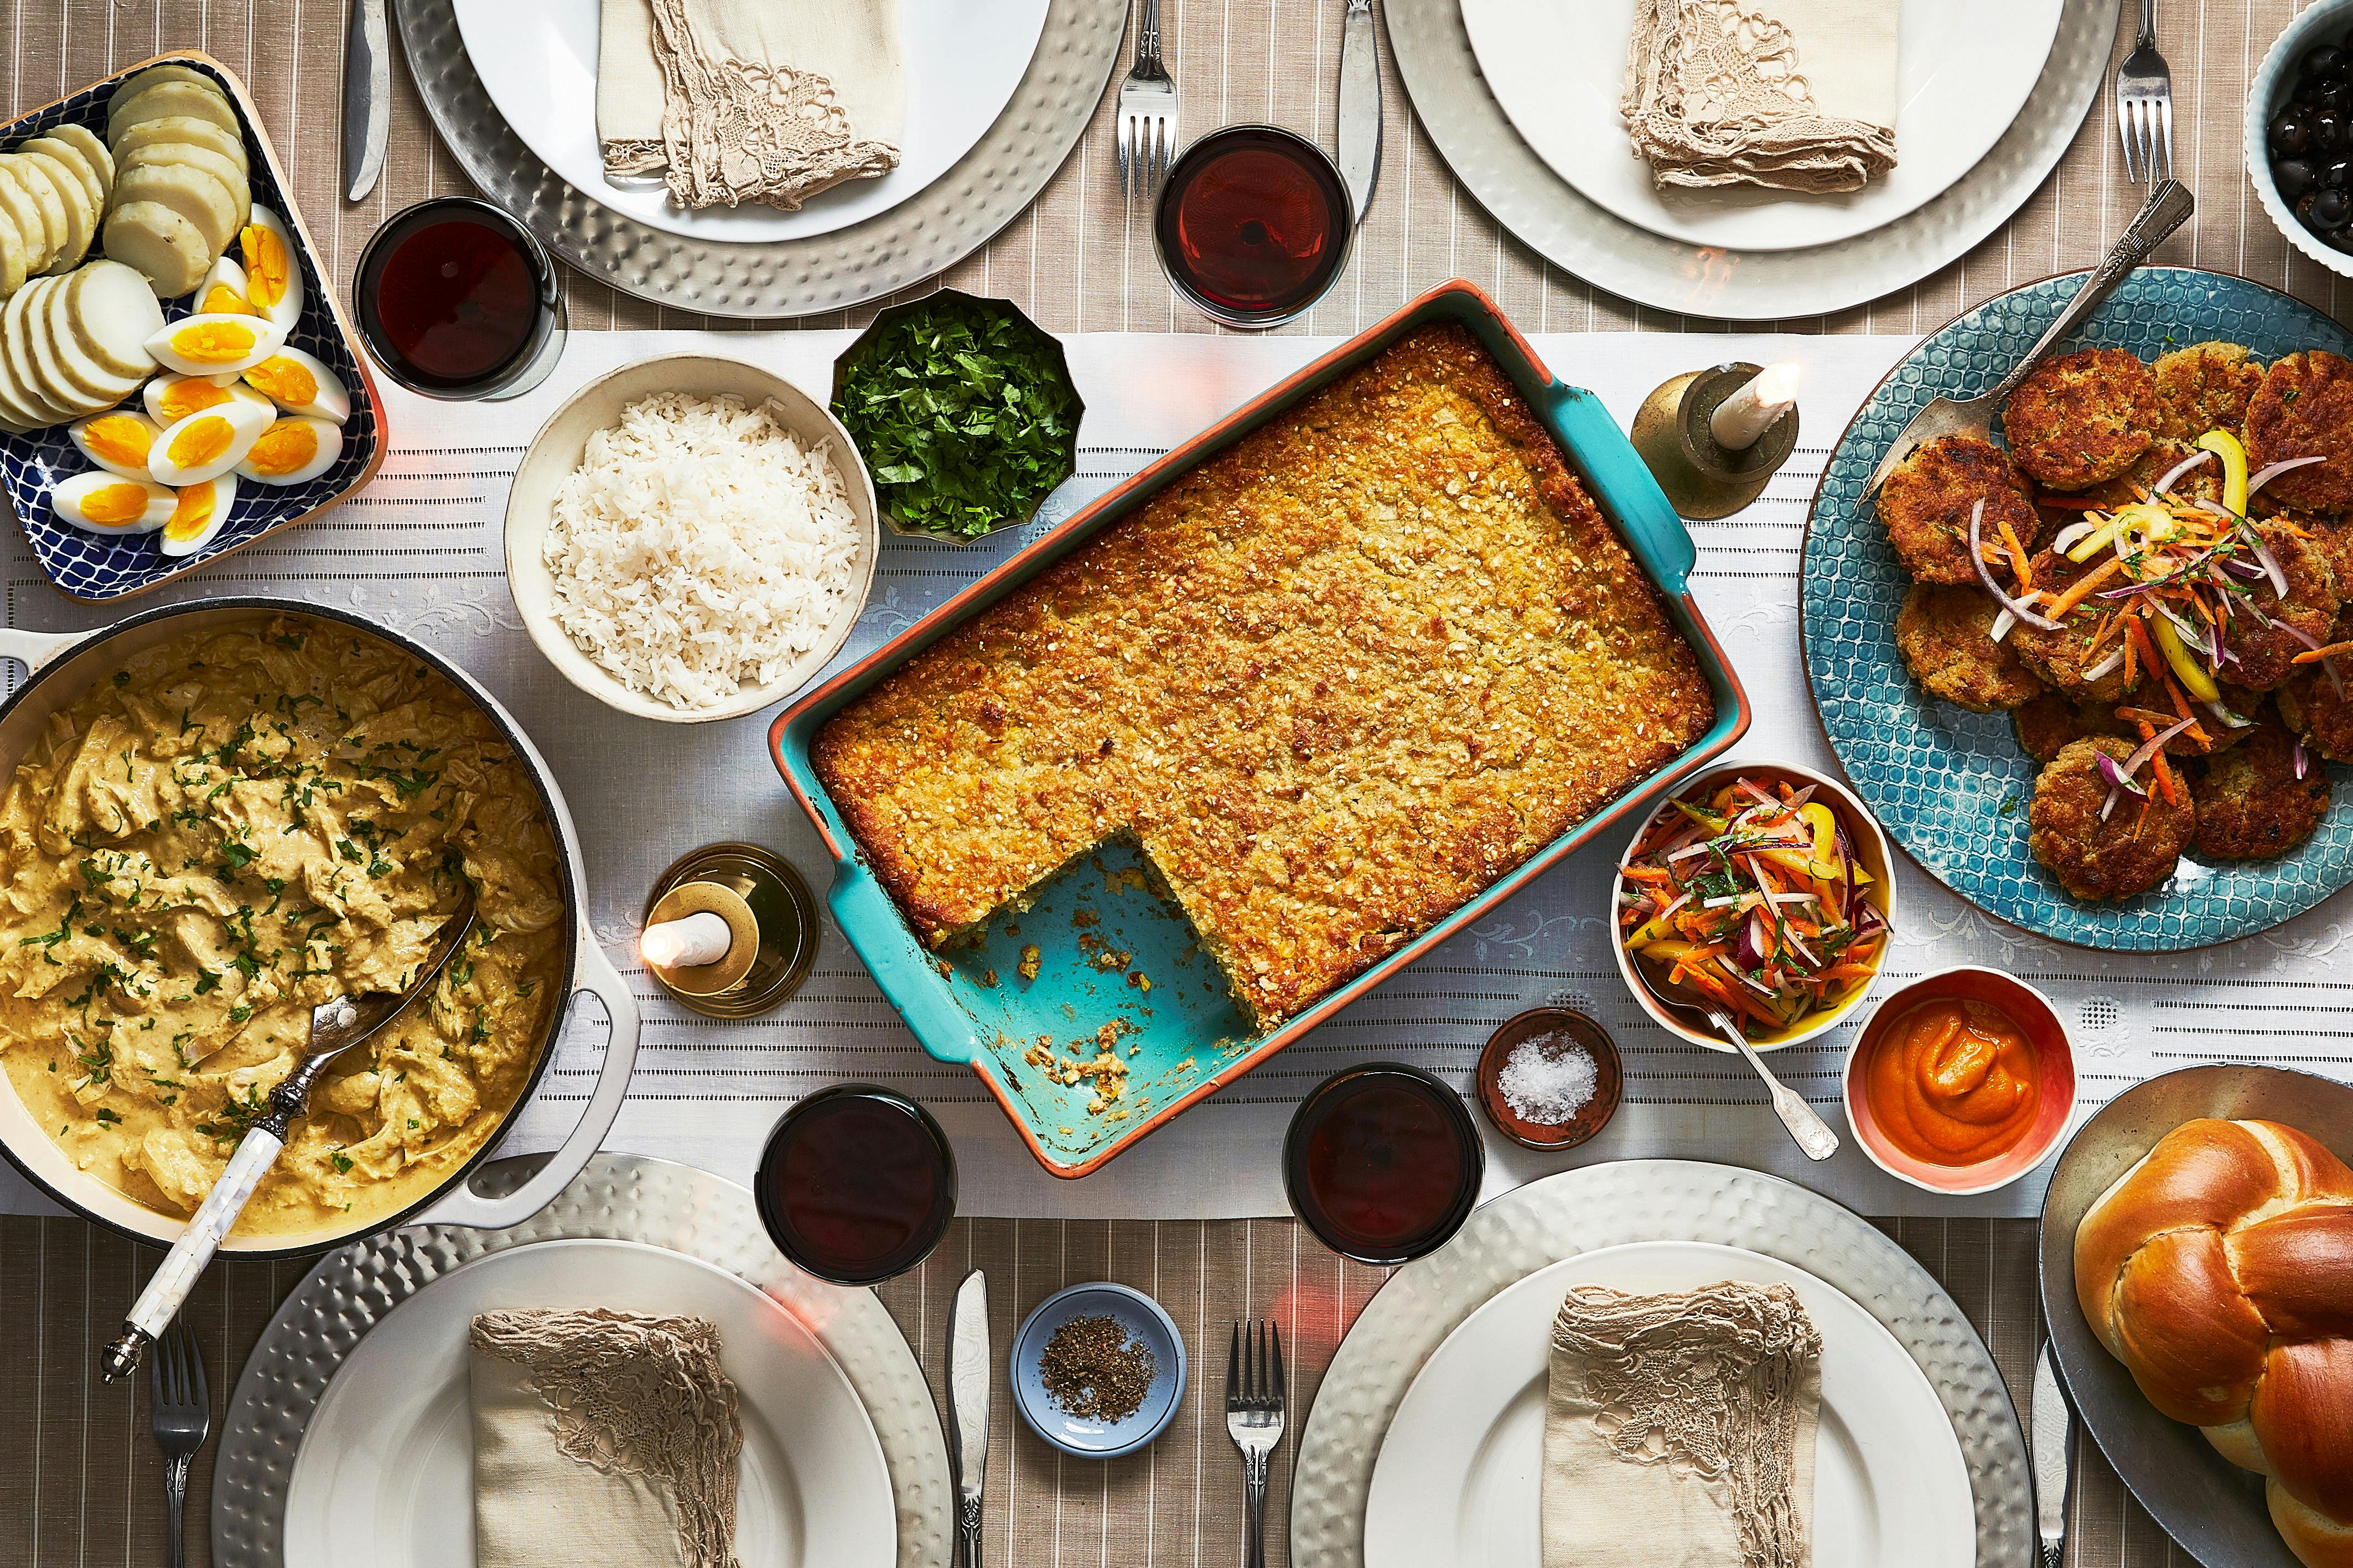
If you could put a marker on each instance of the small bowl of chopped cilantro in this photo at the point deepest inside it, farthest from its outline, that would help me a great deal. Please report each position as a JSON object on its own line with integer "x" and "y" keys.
{"x": 963, "y": 410}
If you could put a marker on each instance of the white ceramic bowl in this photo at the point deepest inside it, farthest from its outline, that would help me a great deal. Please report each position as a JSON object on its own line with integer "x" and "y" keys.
{"x": 556, "y": 450}
{"x": 2324, "y": 21}
{"x": 1869, "y": 847}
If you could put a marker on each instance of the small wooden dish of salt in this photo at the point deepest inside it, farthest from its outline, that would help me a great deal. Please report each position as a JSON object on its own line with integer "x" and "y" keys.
{"x": 1549, "y": 1078}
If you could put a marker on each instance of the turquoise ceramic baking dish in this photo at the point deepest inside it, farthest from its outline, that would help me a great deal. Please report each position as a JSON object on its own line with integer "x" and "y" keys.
{"x": 1181, "y": 1039}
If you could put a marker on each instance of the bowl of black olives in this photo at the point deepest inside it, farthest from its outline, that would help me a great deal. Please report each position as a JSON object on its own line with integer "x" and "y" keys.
{"x": 2300, "y": 133}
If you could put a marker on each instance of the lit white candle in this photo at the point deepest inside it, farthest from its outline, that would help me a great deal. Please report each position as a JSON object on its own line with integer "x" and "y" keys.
{"x": 1748, "y": 412}
{"x": 700, "y": 938}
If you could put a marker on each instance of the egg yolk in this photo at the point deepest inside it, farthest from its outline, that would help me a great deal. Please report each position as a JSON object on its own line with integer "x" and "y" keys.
{"x": 214, "y": 342}
{"x": 192, "y": 514}
{"x": 118, "y": 440}
{"x": 202, "y": 442}
{"x": 114, "y": 504}
{"x": 265, "y": 266}
{"x": 286, "y": 380}
{"x": 183, "y": 398}
{"x": 283, "y": 448}
{"x": 222, "y": 300}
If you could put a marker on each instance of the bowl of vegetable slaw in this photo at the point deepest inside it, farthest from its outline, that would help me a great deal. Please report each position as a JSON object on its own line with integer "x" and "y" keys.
{"x": 1761, "y": 890}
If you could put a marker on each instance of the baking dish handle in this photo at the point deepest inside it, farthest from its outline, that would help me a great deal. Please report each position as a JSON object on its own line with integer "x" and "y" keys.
{"x": 35, "y": 648}
{"x": 1617, "y": 471}
{"x": 466, "y": 1206}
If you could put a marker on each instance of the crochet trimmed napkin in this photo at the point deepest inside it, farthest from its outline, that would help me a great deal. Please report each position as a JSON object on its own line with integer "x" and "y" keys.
{"x": 602, "y": 1440}
{"x": 1798, "y": 95}
{"x": 1679, "y": 1429}
{"x": 750, "y": 100}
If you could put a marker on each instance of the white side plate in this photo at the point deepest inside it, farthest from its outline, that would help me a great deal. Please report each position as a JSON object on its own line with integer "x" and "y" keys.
{"x": 1458, "y": 1479}
{"x": 538, "y": 60}
{"x": 385, "y": 1475}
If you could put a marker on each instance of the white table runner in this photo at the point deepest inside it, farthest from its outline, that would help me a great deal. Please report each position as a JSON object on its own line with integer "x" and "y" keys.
{"x": 420, "y": 550}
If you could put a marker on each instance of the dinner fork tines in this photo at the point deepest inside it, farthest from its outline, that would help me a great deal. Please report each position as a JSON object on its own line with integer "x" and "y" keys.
{"x": 182, "y": 1416}
{"x": 2145, "y": 105}
{"x": 1147, "y": 111}
{"x": 1254, "y": 1401}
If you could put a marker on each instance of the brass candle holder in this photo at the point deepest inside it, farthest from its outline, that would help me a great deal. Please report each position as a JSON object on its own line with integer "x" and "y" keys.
{"x": 1701, "y": 477}
{"x": 772, "y": 924}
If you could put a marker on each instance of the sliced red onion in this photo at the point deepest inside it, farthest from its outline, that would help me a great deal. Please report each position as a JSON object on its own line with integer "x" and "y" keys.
{"x": 2117, "y": 778}
{"x": 2299, "y": 759}
{"x": 2108, "y": 805}
{"x": 1792, "y": 938}
{"x": 2232, "y": 720}
{"x": 1748, "y": 949}
{"x": 2270, "y": 562}
{"x": 1688, "y": 850}
{"x": 2003, "y": 624}
{"x": 2191, "y": 634}
{"x": 2182, "y": 467}
{"x": 2149, "y": 748}
{"x": 2247, "y": 570}
{"x": 2271, "y": 471}
{"x": 2072, "y": 535}
{"x": 1868, "y": 920}
{"x": 2313, "y": 644}
{"x": 1792, "y": 897}
{"x": 1723, "y": 903}
{"x": 1668, "y": 912}
{"x": 1977, "y": 559}
{"x": 1802, "y": 796}
{"x": 1751, "y": 982}
{"x": 2207, "y": 503}
{"x": 2105, "y": 667}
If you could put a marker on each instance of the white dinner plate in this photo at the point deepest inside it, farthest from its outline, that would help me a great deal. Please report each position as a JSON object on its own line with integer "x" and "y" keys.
{"x": 1457, "y": 1481}
{"x": 537, "y": 60}
{"x": 385, "y": 1475}
{"x": 1558, "y": 71}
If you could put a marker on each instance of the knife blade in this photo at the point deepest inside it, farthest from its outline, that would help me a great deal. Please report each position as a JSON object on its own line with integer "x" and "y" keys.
{"x": 368, "y": 96}
{"x": 2051, "y": 1426}
{"x": 1360, "y": 105}
{"x": 968, "y": 1372}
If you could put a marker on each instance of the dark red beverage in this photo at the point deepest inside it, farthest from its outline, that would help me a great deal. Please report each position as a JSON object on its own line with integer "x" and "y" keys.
{"x": 856, "y": 1184}
{"x": 455, "y": 298}
{"x": 1253, "y": 225}
{"x": 1383, "y": 1162}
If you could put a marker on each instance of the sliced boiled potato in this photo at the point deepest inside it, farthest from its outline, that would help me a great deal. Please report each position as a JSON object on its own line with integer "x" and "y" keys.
{"x": 230, "y": 177}
{"x": 16, "y": 329}
{"x": 75, "y": 161}
{"x": 189, "y": 191}
{"x": 111, "y": 313}
{"x": 183, "y": 128}
{"x": 80, "y": 217}
{"x": 12, "y": 256}
{"x": 165, "y": 247}
{"x": 43, "y": 189}
{"x": 82, "y": 369}
{"x": 17, "y": 410}
{"x": 199, "y": 100}
{"x": 87, "y": 142}
{"x": 168, "y": 71}
{"x": 49, "y": 373}
{"x": 25, "y": 214}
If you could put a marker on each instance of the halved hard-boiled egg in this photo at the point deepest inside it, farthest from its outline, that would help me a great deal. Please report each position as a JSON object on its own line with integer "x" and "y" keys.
{"x": 117, "y": 440}
{"x": 222, "y": 293}
{"x": 273, "y": 274}
{"x": 299, "y": 384}
{"x": 206, "y": 444}
{"x": 172, "y": 397}
{"x": 197, "y": 513}
{"x": 217, "y": 343}
{"x": 296, "y": 448}
{"x": 109, "y": 503}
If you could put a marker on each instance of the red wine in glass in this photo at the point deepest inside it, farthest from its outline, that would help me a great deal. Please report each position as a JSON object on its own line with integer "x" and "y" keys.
{"x": 857, "y": 1183}
{"x": 458, "y": 301}
{"x": 1253, "y": 225}
{"x": 1383, "y": 1162}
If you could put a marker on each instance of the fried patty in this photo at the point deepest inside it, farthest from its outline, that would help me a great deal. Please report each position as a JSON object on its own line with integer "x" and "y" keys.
{"x": 2047, "y": 724}
{"x": 1927, "y": 502}
{"x": 2140, "y": 481}
{"x": 2264, "y": 655}
{"x": 2130, "y": 852}
{"x": 2304, "y": 409}
{"x": 1946, "y": 634}
{"x": 2062, "y": 657}
{"x": 2251, "y": 804}
{"x": 2206, "y": 387}
{"x": 2081, "y": 417}
{"x": 2311, "y": 706}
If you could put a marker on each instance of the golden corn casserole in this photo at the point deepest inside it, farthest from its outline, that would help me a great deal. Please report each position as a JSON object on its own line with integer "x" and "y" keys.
{"x": 1334, "y": 682}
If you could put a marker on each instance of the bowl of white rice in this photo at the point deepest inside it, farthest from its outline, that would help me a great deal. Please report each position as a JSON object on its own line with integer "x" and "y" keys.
{"x": 690, "y": 538}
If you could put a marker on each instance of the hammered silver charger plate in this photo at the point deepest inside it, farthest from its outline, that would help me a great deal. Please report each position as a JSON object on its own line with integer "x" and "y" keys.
{"x": 1580, "y": 1211}
{"x": 619, "y": 1197}
{"x": 950, "y": 218}
{"x": 1498, "y": 167}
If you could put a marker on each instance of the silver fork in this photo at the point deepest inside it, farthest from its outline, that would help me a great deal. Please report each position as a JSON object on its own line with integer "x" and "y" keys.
{"x": 1147, "y": 111}
{"x": 2145, "y": 104}
{"x": 1254, "y": 1394}
{"x": 182, "y": 1417}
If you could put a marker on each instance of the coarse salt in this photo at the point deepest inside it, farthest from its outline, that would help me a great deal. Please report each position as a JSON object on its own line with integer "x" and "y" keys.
{"x": 1548, "y": 1078}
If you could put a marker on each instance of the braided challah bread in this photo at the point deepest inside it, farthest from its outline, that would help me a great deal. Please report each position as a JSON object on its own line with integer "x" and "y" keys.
{"x": 2219, "y": 1271}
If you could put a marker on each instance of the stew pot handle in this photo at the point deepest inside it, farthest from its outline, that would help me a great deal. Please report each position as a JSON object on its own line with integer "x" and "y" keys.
{"x": 464, "y": 1206}
{"x": 35, "y": 648}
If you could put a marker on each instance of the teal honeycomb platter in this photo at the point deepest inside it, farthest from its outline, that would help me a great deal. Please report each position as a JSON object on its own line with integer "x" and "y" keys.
{"x": 1951, "y": 787}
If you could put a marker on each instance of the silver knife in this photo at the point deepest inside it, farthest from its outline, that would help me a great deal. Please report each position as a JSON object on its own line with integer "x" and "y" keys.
{"x": 368, "y": 96}
{"x": 1360, "y": 105}
{"x": 968, "y": 1372}
{"x": 2052, "y": 1424}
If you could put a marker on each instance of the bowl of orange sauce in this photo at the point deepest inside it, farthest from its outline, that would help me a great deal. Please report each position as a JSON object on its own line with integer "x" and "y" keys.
{"x": 1962, "y": 1081}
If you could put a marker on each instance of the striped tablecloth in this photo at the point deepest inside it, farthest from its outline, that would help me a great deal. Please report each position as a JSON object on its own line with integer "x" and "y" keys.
{"x": 79, "y": 1481}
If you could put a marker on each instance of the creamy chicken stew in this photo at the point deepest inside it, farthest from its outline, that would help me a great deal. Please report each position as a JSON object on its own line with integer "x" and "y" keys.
{"x": 239, "y": 825}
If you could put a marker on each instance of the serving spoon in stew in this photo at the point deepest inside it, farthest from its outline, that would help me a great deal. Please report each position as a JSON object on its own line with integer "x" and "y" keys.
{"x": 337, "y": 1026}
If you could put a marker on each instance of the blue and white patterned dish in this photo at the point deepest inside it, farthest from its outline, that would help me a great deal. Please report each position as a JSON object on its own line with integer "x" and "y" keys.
{"x": 1952, "y": 787}
{"x": 98, "y": 567}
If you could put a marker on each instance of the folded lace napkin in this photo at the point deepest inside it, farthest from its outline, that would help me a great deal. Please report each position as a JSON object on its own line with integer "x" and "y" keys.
{"x": 750, "y": 100}
{"x": 1796, "y": 94}
{"x": 602, "y": 1440}
{"x": 1679, "y": 1429}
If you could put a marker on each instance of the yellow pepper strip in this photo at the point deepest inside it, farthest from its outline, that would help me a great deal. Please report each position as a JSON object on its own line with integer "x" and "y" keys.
{"x": 2168, "y": 643}
{"x": 2225, "y": 446}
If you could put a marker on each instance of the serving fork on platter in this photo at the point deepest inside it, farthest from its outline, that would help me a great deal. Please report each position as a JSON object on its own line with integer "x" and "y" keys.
{"x": 1254, "y": 1401}
{"x": 2169, "y": 206}
{"x": 1147, "y": 111}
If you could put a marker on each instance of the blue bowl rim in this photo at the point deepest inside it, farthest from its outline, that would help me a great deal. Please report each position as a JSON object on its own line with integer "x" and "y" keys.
{"x": 1124, "y": 1293}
